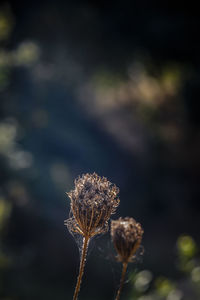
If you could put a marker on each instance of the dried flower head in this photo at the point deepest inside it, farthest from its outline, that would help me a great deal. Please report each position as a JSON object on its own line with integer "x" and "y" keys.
{"x": 93, "y": 200}
{"x": 126, "y": 235}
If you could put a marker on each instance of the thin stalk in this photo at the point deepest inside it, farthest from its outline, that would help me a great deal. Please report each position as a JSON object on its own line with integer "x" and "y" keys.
{"x": 82, "y": 265}
{"x": 124, "y": 268}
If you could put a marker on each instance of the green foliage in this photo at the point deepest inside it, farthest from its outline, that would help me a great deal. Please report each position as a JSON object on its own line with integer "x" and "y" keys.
{"x": 25, "y": 54}
{"x": 145, "y": 287}
{"x": 186, "y": 247}
{"x": 6, "y": 23}
{"x": 5, "y": 210}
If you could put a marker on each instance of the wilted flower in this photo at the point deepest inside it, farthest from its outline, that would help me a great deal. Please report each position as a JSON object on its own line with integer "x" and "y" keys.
{"x": 126, "y": 235}
{"x": 93, "y": 201}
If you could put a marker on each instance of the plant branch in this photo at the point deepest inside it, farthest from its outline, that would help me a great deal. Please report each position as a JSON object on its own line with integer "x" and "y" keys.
{"x": 124, "y": 268}
{"x": 82, "y": 265}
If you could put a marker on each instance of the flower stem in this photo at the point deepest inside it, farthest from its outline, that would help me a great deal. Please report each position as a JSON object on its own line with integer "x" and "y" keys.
{"x": 82, "y": 265}
{"x": 124, "y": 268}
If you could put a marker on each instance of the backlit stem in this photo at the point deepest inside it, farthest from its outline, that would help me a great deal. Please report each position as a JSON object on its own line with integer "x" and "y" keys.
{"x": 82, "y": 265}
{"x": 124, "y": 268}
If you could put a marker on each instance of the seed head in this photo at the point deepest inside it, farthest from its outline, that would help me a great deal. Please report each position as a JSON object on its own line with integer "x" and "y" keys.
{"x": 93, "y": 201}
{"x": 126, "y": 235}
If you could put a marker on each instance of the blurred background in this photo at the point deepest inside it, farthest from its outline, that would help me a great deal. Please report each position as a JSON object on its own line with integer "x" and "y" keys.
{"x": 110, "y": 87}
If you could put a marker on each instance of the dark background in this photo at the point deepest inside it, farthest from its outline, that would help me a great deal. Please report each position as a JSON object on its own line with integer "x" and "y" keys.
{"x": 110, "y": 87}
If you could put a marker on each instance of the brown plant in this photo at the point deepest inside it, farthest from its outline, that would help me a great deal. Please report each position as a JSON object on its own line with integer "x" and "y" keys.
{"x": 93, "y": 201}
{"x": 126, "y": 235}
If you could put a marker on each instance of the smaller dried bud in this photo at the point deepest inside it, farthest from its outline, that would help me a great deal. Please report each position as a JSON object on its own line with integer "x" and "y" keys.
{"x": 126, "y": 235}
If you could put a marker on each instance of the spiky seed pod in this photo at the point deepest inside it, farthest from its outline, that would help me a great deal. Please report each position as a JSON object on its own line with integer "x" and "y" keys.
{"x": 93, "y": 201}
{"x": 126, "y": 235}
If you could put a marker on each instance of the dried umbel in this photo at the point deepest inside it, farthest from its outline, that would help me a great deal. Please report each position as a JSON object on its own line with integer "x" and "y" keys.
{"x": 93, "y": 201}
{"x": 126, "y": 235}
